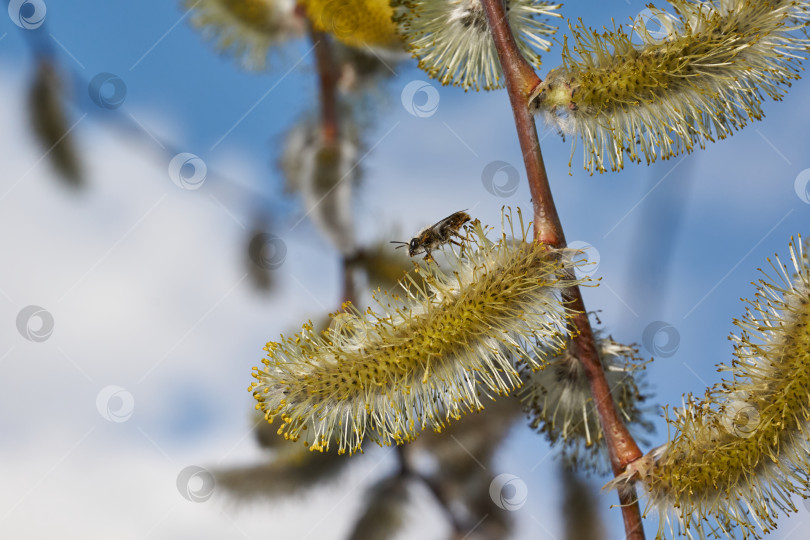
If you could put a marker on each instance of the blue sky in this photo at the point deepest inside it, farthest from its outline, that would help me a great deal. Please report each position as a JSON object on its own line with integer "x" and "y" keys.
{"x": 146, "y": 281}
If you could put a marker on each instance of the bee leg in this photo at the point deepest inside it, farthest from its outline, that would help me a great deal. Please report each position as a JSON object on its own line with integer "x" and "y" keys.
{"x": 459, "y": 244}
{"x": 460, "y": 236}
{"x": 429, "y": 257}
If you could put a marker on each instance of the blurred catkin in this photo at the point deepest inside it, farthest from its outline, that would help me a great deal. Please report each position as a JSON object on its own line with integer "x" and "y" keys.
{"x": 384, "y": 513}
{"x": 286, "y": 473}
{"x": 559, "y": 403}
{"x": 324, "y": 173}
{"x": 247, "y": 29}
{"x": 50, "y": 123}
{"x": 580, "y": 509}
{"x": 358, "y": 23}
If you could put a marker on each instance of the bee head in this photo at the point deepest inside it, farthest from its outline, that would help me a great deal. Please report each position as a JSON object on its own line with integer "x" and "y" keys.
{"x": 413, "y": 247}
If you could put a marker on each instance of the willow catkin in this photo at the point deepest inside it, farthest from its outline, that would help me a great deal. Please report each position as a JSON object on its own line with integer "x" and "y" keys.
{"x": 358, "y": 23}
{"x": 423, "y": 359}
{"x": 739, "y": 453}
{"x": 453, "y": 42}
{"x": 248, "y": 29}
{"x": 559, "y": 403}
{"x": 704, "y": 80}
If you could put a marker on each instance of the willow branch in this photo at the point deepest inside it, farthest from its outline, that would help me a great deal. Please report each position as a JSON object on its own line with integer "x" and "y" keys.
{"x": 327, "y": 79}
{"x": 349, "y": 294}
{"x": 548, "y": 230}
{"x": 330, "y": 128}
{"x": 406, "y": 470}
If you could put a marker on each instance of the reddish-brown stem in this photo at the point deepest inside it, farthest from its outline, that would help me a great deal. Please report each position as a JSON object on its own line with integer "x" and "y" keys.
{"x": 548, "y": 230}
{"x": 330, "y": 127}
{"x": 521, "y": 74}
{"x": 521, "y": 80}
{"x": 327, "y": 78}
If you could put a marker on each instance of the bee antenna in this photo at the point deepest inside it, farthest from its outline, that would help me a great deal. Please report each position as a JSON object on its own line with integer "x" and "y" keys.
{"x": 401, "y": 244}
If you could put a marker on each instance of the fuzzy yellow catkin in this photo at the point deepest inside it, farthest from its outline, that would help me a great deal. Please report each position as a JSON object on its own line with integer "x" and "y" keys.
{"x": 453, "y": 42}
{"x": 246, "y": 28}
{"x": 702, "y": 81}
{"x": 423, "y": 359}
{"x": 740, "y": 452}
{"x": 358, "y": 23}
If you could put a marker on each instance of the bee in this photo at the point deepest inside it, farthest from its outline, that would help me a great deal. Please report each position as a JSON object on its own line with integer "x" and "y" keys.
{"x": 433, "y": 237}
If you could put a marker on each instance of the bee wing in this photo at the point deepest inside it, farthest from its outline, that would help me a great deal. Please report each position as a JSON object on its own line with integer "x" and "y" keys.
{"x": 453, "y": 221}
{"x": 443, "y": 223}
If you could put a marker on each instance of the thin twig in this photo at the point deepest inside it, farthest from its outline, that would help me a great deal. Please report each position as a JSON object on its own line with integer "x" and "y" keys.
{"x": 409, "y": 472}
{"x": 548, "y": 230}
{"x": 330, "y": 128}
{"x": 349, "y": 295}
{"x": 328, "y": 78}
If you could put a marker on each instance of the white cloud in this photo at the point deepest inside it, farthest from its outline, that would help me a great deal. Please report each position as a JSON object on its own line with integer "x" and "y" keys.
{"x": 146, "y": 286}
